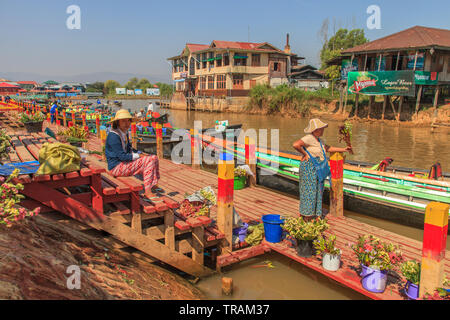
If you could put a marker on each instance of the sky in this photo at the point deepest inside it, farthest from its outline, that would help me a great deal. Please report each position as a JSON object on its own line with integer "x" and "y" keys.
{"x": 138, "y": 36}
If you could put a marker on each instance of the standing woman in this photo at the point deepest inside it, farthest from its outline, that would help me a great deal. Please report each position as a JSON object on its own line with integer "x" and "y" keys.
{"x": 313, "y": 168}
{"x": 123, "y": 161}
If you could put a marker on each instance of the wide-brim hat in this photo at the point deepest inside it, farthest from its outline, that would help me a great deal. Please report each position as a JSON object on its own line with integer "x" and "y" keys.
{"x": 315, "y": 124}
{"x": 122, "y": 114}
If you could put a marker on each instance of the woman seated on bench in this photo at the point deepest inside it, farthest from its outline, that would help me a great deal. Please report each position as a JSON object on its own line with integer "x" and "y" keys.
{"x": 123, "y": 161}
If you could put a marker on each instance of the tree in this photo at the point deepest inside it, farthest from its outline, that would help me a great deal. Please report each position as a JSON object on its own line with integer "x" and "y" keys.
{"x": 132, "y": 83}
{"x": 341, "y": 40}
{"x": 110, "y": 86}
{"x": 165, "y": 90}
{"x": 95, "y": 87}
{"x": 143, "y": 84}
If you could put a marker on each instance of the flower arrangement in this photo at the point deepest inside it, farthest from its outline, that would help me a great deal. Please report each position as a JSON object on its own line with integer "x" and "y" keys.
{"x": 9, "y": 199}
{"x": 324, "y": 245}
{"x": 37, "y": 117}
{"x": 5, "y": 144}
{"x": 301, "y": 229}
{"x": 373, "y": 253}
{"x": 411, "y": 271}
{"x": 240, "y": 172}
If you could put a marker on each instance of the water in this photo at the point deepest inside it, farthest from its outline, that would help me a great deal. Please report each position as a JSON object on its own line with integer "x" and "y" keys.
{"x": 372, "y": 142}
{"x": 409, "y": 147}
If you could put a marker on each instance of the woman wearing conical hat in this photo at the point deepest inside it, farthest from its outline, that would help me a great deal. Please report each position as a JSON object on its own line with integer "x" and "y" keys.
{"x": 313, "y": 168}
{"x": 123, "y": 161}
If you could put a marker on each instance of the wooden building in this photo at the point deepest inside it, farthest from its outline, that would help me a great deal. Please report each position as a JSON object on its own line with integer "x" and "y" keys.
{"x": 227, "y": 68}
{"x": 308, "y": 78}
{"x": 423, "y": 51}
{"x": 8, "y": 89}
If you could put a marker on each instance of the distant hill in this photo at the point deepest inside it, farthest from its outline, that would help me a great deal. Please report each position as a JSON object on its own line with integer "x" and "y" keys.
{"x": 122, "y": 78}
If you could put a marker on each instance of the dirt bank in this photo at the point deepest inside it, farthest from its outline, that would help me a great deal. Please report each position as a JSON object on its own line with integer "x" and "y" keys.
{"x": 36, "y": 253}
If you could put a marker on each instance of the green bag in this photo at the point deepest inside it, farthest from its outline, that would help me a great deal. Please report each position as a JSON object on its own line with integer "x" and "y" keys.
{"x": 58, "y": 158}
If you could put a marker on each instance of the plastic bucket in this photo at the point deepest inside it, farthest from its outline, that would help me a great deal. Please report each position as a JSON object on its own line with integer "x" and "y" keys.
{"x": 331, "y": 262}
{"x": 373, "y": 280}
{"x": 305, "y": 248}
{"x": 239, "y": 183}
{"x": 412, "y": 290}
{"x": 272, "y": 227}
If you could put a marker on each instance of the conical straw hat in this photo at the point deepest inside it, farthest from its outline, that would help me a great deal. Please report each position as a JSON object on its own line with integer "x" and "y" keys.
{"x": 122, "y": 114}
{"x": 315, "y": 124}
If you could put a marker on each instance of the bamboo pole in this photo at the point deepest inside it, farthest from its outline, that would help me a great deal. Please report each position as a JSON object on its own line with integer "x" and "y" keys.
{"x": 436, "y": 97}
{"x": 400, "y": 103}
{"x": 419, "y": 94}
{"x": 384, "y": 106}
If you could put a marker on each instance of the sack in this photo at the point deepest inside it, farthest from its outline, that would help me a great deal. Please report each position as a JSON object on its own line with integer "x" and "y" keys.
{"x": 322, "y": 168}
{"x": 58, "y": 158}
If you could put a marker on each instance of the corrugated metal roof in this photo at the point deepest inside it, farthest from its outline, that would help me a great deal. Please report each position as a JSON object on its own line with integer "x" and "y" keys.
{"x": 415, "y": 37}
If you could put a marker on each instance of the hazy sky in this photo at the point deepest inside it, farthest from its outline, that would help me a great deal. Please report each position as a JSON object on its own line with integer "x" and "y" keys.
{"x": 138, "y": 36}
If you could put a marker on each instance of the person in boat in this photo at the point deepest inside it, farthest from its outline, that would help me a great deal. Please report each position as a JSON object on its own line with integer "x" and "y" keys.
{"x": 150, "y": 109}
{"x": 123, "y": 161}
{"x": 313, "y": 168}
{"x": 53, "y": 112}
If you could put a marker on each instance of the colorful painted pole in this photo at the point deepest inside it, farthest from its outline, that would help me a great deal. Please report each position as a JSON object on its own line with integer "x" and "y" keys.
{"x": 159, "y": 141}
{"x": 195, "y": 149}
{"x": 48, "y": 117}
{"x": 64, "y": 118}
{"x": 133, "y": 136}
{"x": 250, "y": 158}
{"x": 433, "y": 247}
{"x": 337, "y": 184}
{"x": 73, "y": 117}
{"x": 97, "y": 125}
{"x": 58, "y": 122}
{"x": 83, "y": 117}
{"x": 225, "y": 191}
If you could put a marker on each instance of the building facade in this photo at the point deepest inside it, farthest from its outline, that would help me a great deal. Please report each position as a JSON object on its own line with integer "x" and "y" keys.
{"x": 226, "y": 68}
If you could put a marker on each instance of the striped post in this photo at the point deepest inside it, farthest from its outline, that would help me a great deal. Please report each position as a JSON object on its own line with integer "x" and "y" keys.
{"x": 225, "y": 191}
{"x": 83, "y": 117}
{"x": 195, "y": 148}
{"x": 159, "y": 141}
{"x": 250, "y": 158}
{"x": 133, "y": 136}
{"x": 337, "y": 184}
{"x": 64, "y": 118}
{"x": 56, "y": 118}
{"x": 97, "y": 125}
{"x": 433, "y": 247}
{"x": 48, "y": 117}
{"x": 73, "y": 117}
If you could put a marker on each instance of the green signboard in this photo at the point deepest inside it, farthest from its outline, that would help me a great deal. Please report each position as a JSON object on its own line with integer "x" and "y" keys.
{"x": 426, "y": 77}
{"x": 347, "y": 66}
{"x": 398, "y": 83}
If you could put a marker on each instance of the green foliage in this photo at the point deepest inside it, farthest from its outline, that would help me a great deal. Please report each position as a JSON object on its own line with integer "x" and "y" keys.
{"x": 5, "y": 144}
{"x": 110, "y": 86}
{"x": 165, "y": 90}
{"x": 132, "y": 83}
{"x": 343, "y": 39}
{"x": 411, "y": 271}
{"x": 95, "y": 87}
{"x": 25, "y": 118}
{"x": 143, "y": 84}
{"x": 324, "y": 245}
{"x": 301, "y": 229}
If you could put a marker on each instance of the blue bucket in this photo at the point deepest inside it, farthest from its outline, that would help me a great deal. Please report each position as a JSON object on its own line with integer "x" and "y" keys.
{"x": 272, "y": 227}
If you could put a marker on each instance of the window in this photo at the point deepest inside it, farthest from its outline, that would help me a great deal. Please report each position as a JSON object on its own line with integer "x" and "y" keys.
{"x": 211, "y": 60}
{"x": 256, "y": 59}
{"x": 240, "y": 60}
{"x": 276, "y": 66}
{"x": 238, "y": 81}
{"x": 221, "y": 81}
{"x": 198, "y": 61}
{"x": 202, "y": 83}
{"x": 210, "y": 82}
{"x": 204, "y": 62}
{"x": 226, "y": 59}
{"x": 219, "y": 60}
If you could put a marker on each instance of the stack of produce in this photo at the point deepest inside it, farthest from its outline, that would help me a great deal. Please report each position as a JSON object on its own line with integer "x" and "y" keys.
{"x": 198, "y": 203}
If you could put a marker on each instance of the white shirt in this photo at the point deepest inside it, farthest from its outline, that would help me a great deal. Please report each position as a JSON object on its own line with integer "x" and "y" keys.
{"x": 150, "y": 107}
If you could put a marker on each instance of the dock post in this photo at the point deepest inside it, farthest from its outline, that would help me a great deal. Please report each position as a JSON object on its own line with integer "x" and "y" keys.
{"x": 337, "y": 184}
{"x": 64, "y": 118}
{"x": 225, "y": 186}
{"x": 134, "y": 136}
{"x": 48, "y": 118}
{"x": 434, "y": 245}
{"x": 195, "y": 159}
{"x": 83, "y": 118}
{"x": 58, "y": 122}
{"x": 97, "y": 125}
{"x": 250, "y": 158}
{"x": 159, "y": 141}
{"x": 73, "y": 118}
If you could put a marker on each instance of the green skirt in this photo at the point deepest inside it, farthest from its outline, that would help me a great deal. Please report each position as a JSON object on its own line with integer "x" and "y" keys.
{"x": 311, "y": 191}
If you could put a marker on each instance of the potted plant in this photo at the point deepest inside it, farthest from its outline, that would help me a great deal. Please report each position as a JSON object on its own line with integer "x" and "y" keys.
{"x": 305, "y": 232}
{"x": 240, "y": 177}
{"x": 376, "y": 259}
{"x": 331, "y": 259}
{"x": 411, "y": 271}
{"x": 33, "y": 123}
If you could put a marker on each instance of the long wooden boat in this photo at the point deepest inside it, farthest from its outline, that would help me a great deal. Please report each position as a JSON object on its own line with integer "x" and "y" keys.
{"x": 391, "y": 195}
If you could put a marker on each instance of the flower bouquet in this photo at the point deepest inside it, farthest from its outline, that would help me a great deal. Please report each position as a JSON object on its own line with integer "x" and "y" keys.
{"x": 331, "y": 255}
{"x": 411, "y": 271}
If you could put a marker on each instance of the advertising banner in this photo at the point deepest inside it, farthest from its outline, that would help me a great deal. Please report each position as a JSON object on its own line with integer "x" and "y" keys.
{"x": 120, "y": 90}
{"x": 399, "y": 83}
{"x": 153, "y": 91}
{"x": 419, "y": 63}
{"x": 137, "y": 92}
{"x": 130, "y": 92}
{"x": 426, "y": 77}
{"x": 346, "y": 67}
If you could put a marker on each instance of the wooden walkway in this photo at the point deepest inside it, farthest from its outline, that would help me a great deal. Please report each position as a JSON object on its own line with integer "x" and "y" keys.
{"x": 252, "y": 203}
